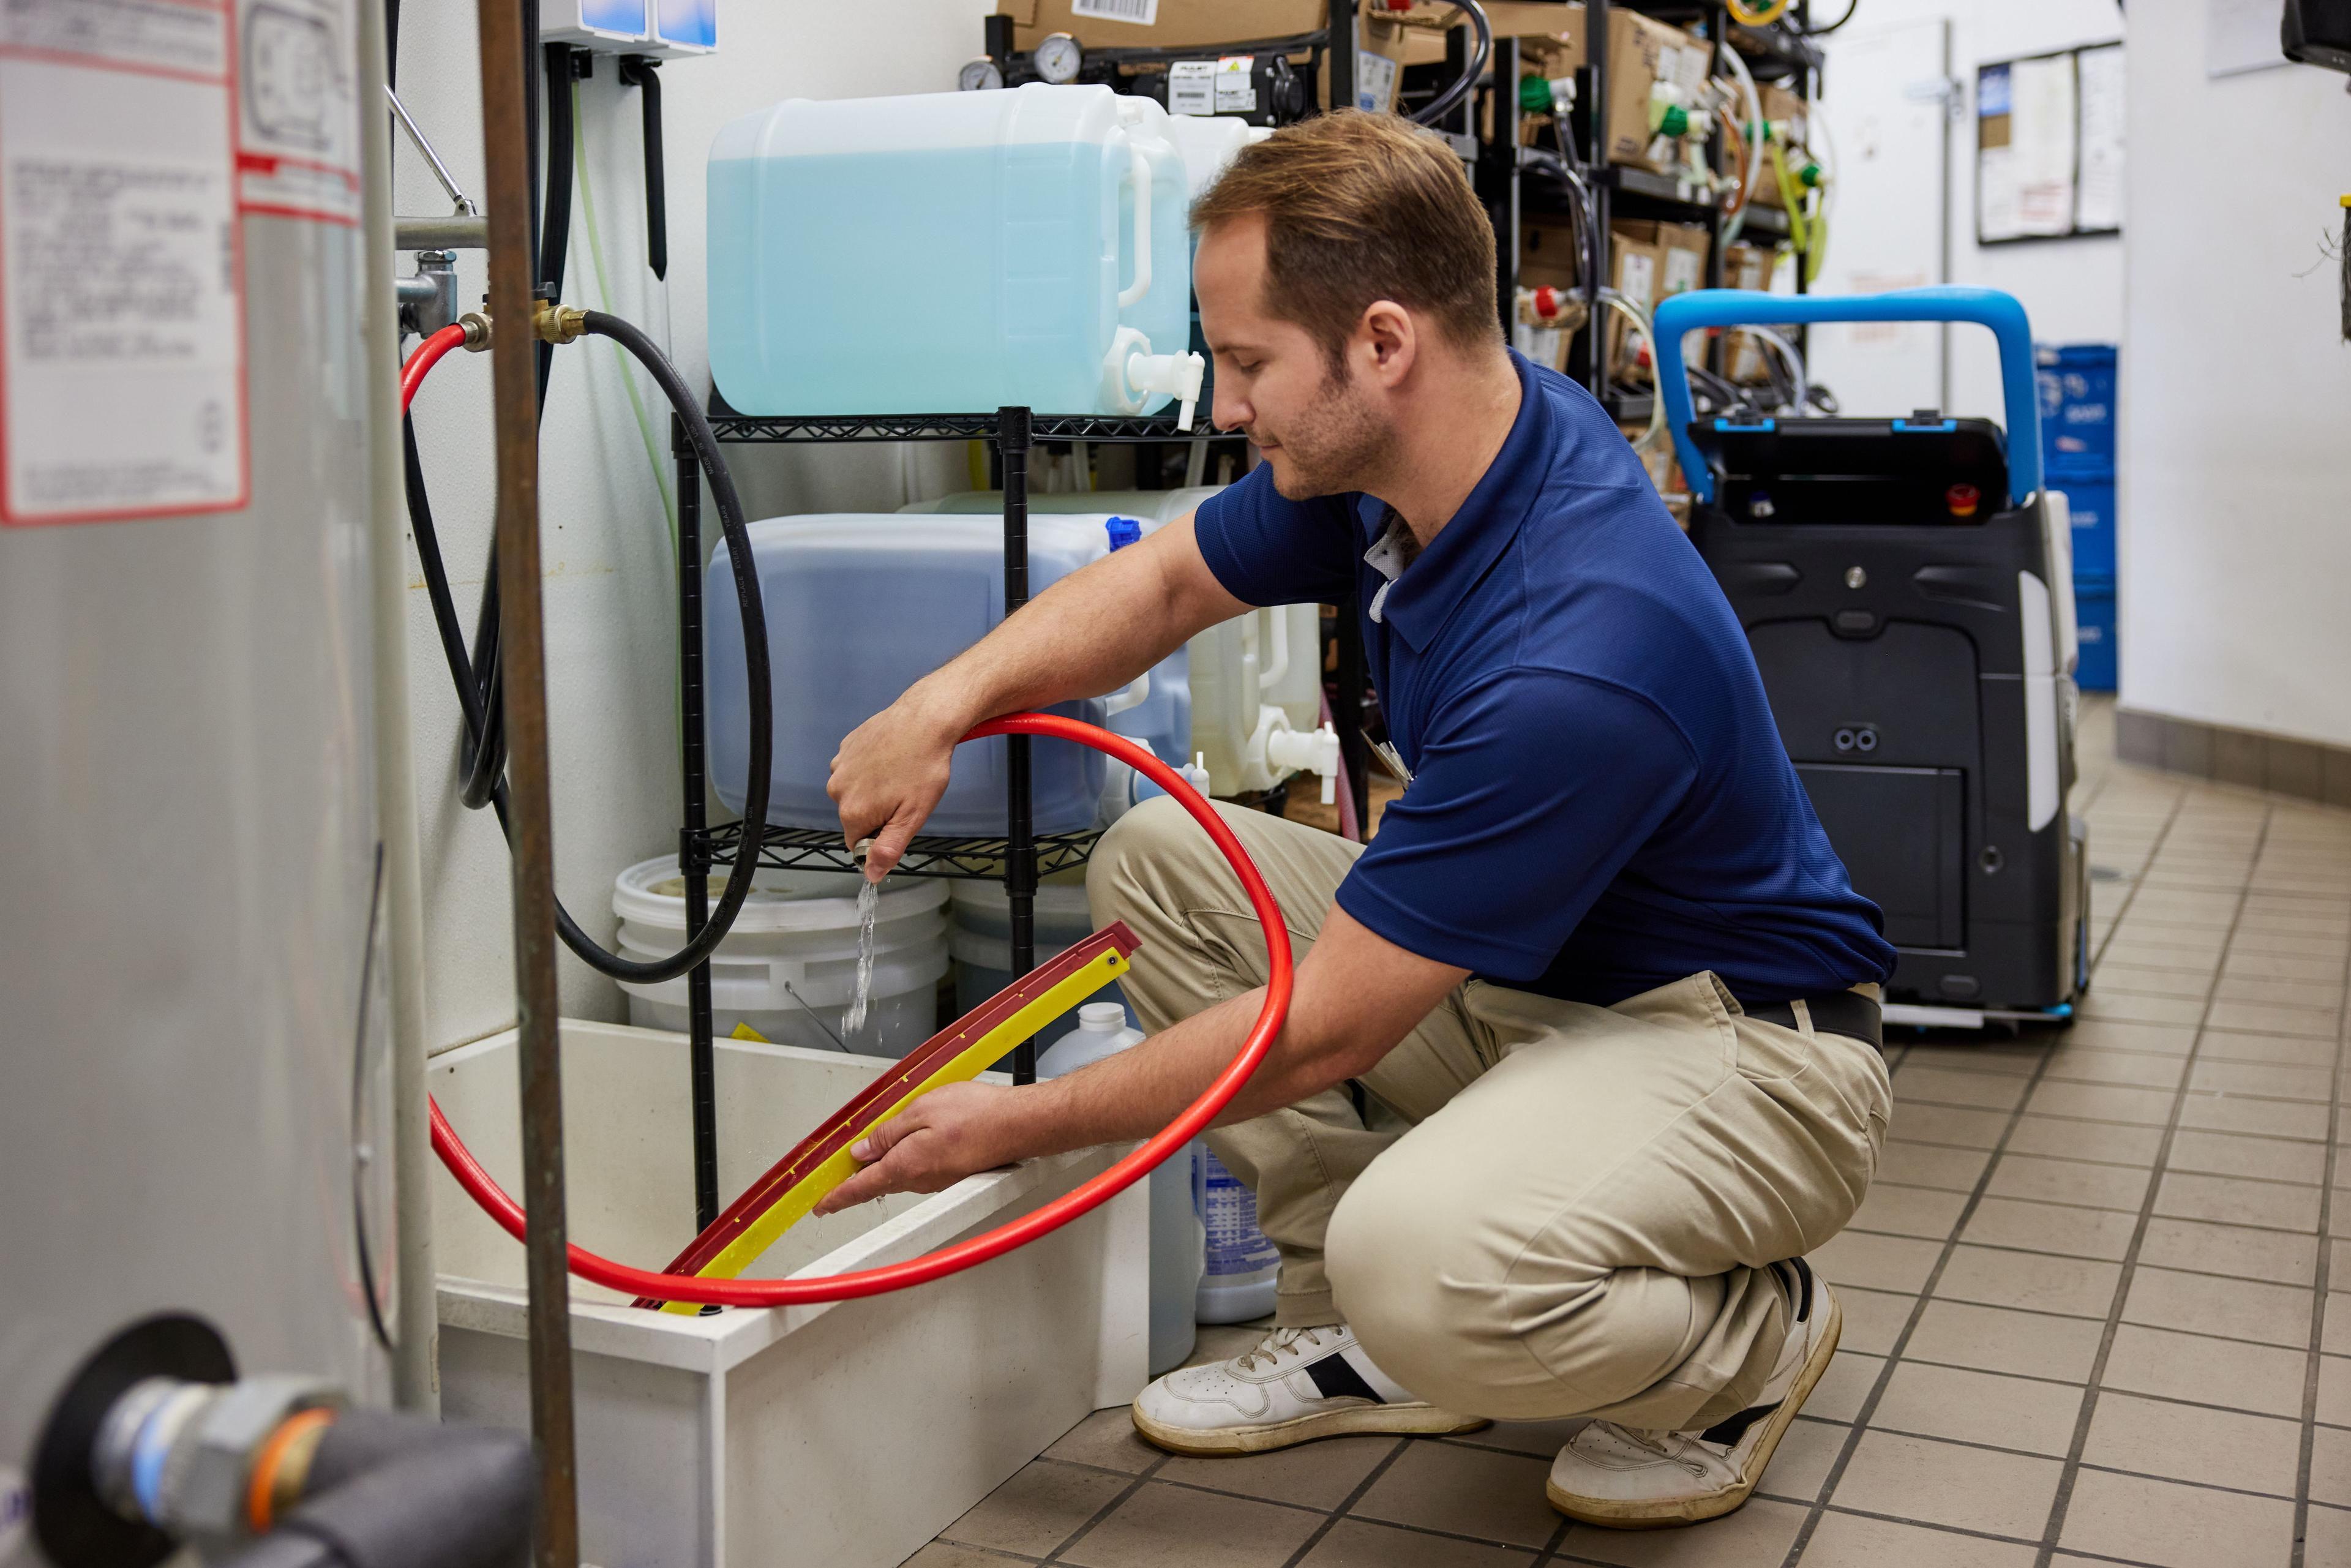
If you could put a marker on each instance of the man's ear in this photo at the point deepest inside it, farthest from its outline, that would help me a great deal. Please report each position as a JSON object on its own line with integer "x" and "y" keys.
{"x": 1387, "y": 342}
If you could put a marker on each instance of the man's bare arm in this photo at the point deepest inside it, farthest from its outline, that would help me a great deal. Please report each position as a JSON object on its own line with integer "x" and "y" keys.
{"x": 1357, "y": 994}
{"x": 1091, "y": 633}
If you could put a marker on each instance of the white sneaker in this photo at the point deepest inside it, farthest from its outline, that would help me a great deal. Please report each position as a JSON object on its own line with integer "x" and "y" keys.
{"x": 1631, "y": 1479}
{"x": 1297, "y": 1384}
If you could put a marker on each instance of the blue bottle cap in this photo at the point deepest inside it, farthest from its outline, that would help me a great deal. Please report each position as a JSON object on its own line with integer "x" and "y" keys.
{"x": 1124, "y": 531}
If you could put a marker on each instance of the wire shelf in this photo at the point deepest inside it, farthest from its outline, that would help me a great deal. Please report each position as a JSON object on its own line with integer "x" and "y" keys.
{"x": 946, "y": 427}
{"x": 819, "y": 849}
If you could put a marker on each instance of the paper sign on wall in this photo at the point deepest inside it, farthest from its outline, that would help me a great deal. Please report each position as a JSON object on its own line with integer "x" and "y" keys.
{"x": 2049, "y": 145}
{"x": 299, "y": 128}
{"x": 121, "y": 344}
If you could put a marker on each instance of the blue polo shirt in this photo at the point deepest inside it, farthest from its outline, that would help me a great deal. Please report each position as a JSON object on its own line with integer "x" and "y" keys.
{"x": 1600, "y": 802}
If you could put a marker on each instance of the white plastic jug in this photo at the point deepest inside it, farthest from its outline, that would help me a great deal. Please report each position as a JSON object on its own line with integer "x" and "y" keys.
{"x": 1242, "y": 1268}
{"x": 860, "y": 606}
{"x": 952, "y": 252}
{"x": 1256, "y": 680}
{"x": 1176, "y": 1233}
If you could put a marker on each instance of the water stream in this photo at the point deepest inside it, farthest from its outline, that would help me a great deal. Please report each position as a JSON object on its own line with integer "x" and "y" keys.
{"x": 868, "y": 902}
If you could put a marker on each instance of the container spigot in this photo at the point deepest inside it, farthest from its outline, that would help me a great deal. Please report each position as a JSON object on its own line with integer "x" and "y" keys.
{"x": 1177, "y": 375}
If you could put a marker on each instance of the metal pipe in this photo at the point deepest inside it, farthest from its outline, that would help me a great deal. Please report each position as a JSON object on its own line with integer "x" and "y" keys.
{"x": 441, "y": 234}
{"x": 522, "y": 652}
{"x": 416, "y": 1383}
{"x": 463, "y": 202}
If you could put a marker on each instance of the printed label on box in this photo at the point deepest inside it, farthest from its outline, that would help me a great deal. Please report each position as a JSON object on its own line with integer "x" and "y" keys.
{"x": 121, "y": 263}
{"x": 1237, "y": 85}
{"x": 1142, "y": 13}
{"x": 1192, "y": 87}
{"x": 298, "y": 127}
{"x": 1375, "y": 80}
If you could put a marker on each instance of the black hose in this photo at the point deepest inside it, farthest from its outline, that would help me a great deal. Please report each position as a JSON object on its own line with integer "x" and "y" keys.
{"x": 1445, "y": 102}
{"x": 645, "y": 76}
{"x": 555, "y": 227}
{"x": 476, "y": 698}
{"x": 482, "y": 761}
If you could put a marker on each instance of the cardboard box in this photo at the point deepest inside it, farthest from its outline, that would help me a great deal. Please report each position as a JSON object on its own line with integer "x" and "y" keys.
{"x": 1161, "y": 24}
{"x": 1549, "y": 256}
{"x": 1643, "y": 52}
{"x": 1685, "y": 247}
{"x": 1639, "y": 268}
{"x": 1784, "y": 109}
{"x": 1745, "y": 267}
{"x": 1380, "y": 51}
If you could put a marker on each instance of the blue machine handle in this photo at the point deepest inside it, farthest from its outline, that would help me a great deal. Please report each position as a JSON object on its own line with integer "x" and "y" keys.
{"x": 1746, "y": 308}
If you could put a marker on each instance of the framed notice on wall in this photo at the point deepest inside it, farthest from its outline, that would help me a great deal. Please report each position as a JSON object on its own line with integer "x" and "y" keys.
{"x": 2049, "y": 146}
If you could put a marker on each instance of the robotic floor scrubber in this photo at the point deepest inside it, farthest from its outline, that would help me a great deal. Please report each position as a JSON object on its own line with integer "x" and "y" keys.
{"x": 1906, "y": 585}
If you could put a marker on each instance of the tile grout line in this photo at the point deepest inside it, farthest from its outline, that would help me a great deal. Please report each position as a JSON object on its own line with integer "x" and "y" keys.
{"x": 1331, "y": 1519}
{"x": 2322, "y": 1278}
{"x": 1139, "y": 1481}
{"x": 1934, "y": 1275}
{"x": 2139, "y": 876}
{"x": 1860, "y": 1422}
{"x": 2062, "y": 1502}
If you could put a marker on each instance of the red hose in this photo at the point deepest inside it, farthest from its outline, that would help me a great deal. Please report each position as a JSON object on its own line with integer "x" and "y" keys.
{"x": 1040, "y": 1221}
{"x": 428, "y": 354}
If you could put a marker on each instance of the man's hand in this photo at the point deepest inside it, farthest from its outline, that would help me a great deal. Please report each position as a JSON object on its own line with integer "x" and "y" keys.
{"x": 889, "y": 773}
{"x": 934, "y": 1143}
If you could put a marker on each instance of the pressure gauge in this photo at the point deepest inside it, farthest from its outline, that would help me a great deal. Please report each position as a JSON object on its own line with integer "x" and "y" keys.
{"x": 1059, "y": 58}
{"x": 979, "y": 76}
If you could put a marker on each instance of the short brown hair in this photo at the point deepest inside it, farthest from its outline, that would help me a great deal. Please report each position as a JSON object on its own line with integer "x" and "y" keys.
{"x": 1358, "y": 208}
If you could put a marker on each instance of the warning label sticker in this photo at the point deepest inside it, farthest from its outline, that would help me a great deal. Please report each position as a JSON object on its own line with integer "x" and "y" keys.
{"x": 122, "y": 329}
{"x": 299, "y": 128}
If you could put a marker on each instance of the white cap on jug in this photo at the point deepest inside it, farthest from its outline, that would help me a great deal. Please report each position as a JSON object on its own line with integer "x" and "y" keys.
{"x": 1101, "y": 1018}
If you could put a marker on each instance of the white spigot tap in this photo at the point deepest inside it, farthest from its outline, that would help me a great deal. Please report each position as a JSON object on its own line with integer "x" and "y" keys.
{"x": 1177, "y": 375}
{"x": 1311, "y": 752}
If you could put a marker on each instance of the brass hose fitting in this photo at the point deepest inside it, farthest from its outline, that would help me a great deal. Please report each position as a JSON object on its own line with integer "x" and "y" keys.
{"x": 556, "y": 323}
{"x": 478, "y": 330}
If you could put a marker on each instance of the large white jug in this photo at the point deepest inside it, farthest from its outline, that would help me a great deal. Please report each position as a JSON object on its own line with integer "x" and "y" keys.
{"x": 951, "y": 252}
{"x": 1256, "y": 680}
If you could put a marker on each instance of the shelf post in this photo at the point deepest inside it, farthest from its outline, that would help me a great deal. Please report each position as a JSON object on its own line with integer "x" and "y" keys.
{"x": 701, "y": 1056}
{"x": 1503, "y": 157}
{"x": 1021, "y": 827}
{"x": 1595, "y": 148}
{"x": 1347, "y": 712}
{"x": 1339, "y": 55}
{"x": 1718, "y": 41}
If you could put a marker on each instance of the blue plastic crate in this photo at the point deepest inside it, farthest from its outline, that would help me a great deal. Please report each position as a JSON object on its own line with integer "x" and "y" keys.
{"x": 2094, "y": 617}
{"x": 2077, "y": 405}
{"x": 2092, "y": 502}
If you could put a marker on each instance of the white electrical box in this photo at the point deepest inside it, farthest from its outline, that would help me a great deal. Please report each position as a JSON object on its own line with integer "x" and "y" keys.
{"x": 661, "y": 28}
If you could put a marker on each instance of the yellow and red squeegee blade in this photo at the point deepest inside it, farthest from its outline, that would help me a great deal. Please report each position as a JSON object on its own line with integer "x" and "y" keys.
{"x": 822, "y": 1161}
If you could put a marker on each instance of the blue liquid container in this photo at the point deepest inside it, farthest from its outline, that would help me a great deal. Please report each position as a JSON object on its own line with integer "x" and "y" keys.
{"x": 859, "y": 608}
{"x": 947, "y": 253}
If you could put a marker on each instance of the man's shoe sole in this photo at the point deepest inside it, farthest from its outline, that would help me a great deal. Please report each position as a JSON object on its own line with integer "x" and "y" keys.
{"x": 1344, "y": 1422}
{"x": 1668, "y": 1513}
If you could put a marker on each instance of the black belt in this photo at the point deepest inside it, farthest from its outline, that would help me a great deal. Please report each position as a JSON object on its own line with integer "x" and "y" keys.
{"x": 1848, "y": 1013}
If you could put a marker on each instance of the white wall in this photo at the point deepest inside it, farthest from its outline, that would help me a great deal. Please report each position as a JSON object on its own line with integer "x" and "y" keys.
{"x": 2236, "y": 400}
{"x": 2072, "y": 290}
{"x": 611, "y": 627}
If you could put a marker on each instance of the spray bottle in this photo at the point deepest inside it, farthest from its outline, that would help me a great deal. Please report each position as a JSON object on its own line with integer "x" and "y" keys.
{"x": 1176, "y": 1233}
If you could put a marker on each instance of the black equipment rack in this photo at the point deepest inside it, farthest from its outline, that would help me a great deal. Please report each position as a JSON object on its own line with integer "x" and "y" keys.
{"x": 1021, "y": 857}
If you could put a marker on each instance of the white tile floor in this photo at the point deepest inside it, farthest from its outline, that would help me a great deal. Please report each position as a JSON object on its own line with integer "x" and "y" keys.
{"x": 2088, "y": 1303}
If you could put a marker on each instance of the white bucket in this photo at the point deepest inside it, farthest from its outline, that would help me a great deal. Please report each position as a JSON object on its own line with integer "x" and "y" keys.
{"x": 794, "y": 943}
{"x": 982, "y": 943}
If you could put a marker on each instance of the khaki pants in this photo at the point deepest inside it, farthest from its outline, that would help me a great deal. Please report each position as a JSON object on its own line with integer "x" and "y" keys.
{"x": 1529, "y": 1208}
